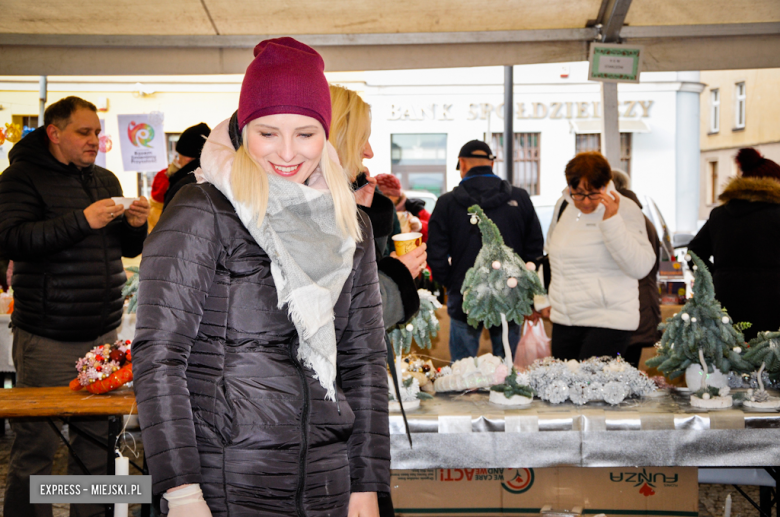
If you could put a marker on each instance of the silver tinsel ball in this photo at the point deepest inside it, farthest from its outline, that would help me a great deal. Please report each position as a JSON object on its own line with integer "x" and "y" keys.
{"x": 578, "y": 393}
{"x": 615, "y": 392}
{"x": 557, "y": 391}
{"x": 685, "y": 316}
{"x": 595, "y": 391}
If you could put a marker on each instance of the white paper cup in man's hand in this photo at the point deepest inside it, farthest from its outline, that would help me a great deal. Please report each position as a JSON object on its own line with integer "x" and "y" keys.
{"x": 406, "y": 242}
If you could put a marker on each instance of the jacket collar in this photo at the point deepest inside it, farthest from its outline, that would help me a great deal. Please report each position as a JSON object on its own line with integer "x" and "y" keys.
{"x": 756, "y": 190}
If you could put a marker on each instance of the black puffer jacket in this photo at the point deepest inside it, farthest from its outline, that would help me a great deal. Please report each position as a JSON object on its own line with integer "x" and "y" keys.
{"x": 742, "y": 237}
{"x": 222, "y": 399}
{"x": 180, "y": 179}
{"x": 68, "y": 277}
{"x": 451, "y": 234}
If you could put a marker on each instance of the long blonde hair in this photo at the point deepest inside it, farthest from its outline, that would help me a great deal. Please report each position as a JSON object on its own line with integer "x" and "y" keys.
{"x": 350, "y": 128}
{"x": 249, "y": 183}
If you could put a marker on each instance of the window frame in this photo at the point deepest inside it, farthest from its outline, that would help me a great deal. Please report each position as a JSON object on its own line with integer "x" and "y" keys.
{"x": 715, "y": 110}
{"x": 740, "y": 105}
{"x": 525, "y": 156}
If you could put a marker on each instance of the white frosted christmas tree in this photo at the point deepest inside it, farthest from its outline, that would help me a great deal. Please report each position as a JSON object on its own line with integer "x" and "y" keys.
{"x": 498, "y": 288}
{"x": 701, "y": 333}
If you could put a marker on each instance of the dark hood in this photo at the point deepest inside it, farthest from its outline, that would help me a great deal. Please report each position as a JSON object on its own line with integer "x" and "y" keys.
{"x": 480, "y": 188}
{"x": 34, "y": 149}
{"x": 743, "y": 196}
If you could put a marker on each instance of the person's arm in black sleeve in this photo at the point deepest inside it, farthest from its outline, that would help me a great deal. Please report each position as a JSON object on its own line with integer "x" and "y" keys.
{"x": 133, "y": 238}
{"x": 439, "y": 244}
{"x": 24, "y": 231}
{"x": 701, "y": 245}
{"x": 400, "y": 300}
{"x": 533, "y": 243}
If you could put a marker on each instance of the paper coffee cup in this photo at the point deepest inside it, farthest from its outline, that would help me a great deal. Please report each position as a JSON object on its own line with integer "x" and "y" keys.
{"x": 406, "y": 242}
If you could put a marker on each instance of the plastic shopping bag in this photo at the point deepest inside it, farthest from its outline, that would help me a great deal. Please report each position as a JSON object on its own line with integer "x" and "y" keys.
{"x": 533, "y": 345}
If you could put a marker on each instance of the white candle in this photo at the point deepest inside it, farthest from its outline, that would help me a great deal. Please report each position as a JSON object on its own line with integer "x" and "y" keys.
{"x": 121, "y": 468}
{"x": 727, "y": 513}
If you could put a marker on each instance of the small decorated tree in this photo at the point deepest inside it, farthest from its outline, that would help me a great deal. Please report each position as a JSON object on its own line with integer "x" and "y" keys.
{"x": 702, "y": 333}
{"x": 421, "y": 328}
{"x": 763, "y": 353}
{"x": 498, "y": 288}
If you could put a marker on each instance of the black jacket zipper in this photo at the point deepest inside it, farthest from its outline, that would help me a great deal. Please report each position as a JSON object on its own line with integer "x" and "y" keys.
{"x": 304, "y": 436}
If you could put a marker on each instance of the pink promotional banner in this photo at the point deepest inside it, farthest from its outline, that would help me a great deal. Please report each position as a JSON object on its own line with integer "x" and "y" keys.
{"x": 142, "y": 142}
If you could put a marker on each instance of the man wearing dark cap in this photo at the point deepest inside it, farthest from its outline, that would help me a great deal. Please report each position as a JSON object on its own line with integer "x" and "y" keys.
{"x": 188, "y": 148}
{"x": 453, "y": 242}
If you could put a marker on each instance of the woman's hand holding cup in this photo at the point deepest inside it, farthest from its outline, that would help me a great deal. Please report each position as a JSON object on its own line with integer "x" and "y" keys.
{"x": 414, "y": 260}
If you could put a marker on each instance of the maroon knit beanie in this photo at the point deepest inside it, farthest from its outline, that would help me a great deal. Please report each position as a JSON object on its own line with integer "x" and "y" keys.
{"x": 753, "y": 165}
{"x": 286, "y": 76}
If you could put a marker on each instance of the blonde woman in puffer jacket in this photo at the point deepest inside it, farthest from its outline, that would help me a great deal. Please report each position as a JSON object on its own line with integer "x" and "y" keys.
{"x": 598, "y": 249}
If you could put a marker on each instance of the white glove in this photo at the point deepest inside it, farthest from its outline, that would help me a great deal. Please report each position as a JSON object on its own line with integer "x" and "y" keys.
{"x": 415, "y": 223}
{"x": 187, "y": 502}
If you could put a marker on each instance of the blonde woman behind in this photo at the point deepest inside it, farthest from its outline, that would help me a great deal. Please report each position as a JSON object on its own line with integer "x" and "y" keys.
{"x": 349, "y": 133}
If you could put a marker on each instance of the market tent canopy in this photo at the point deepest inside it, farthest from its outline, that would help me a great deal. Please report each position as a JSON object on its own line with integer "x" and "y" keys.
{"x": 114, "y": 37}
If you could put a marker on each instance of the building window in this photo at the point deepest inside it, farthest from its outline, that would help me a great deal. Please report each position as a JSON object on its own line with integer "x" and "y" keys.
{"x": 592, "y": 142}
{"x": 419, "y": 160}
{"x": 739, "y": 108}
{"x": 525, "y": 173}
{"x": 714, "y": 111}
{"x": 712, "y": 179}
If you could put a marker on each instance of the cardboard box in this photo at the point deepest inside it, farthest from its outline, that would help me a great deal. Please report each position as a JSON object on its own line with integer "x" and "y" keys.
{"x": 660, "y": 492}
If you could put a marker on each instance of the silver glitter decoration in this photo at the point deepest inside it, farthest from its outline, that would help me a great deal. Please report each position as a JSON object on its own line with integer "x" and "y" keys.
{"x": 615, "y": 392}
{"x": 578, "y": 393}
{"x": 595, "y": 391}
{"x": 557, "y": 392}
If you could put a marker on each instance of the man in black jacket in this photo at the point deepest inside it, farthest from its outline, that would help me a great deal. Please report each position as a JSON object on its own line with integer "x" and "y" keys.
{"x": 66, "y": 237}
{"x": 453, "y": 242}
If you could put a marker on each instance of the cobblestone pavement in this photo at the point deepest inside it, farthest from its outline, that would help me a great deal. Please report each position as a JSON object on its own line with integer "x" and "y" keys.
{"x": 712, "y": 498}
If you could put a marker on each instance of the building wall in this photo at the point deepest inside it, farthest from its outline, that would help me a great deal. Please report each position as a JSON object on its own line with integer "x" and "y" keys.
{"x": 464, "y": 104}
{"x": 761, "y": 131}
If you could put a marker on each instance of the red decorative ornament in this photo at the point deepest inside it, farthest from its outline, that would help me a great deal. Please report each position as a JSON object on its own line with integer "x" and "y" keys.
{"x": 105, "y": 143}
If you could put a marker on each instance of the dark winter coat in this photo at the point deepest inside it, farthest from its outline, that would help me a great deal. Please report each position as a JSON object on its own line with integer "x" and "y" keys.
{"x": 68, "y": 277}
{"x": 400, "y": 300}
{"x": 743, "y": 237}
{"x": 222, "y": 398}
{"x": 451, "y": 234}
{"x": 649, "y": 299}
{"x": 180, "y": 179}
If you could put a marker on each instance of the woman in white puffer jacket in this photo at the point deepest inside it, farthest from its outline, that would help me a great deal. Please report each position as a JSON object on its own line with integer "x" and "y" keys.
{"x": 598, "y": 249}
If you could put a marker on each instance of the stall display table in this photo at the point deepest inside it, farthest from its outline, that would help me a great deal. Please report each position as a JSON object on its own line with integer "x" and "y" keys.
{"x": 62, "y": 402}
{"x": 466, "y": 431}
